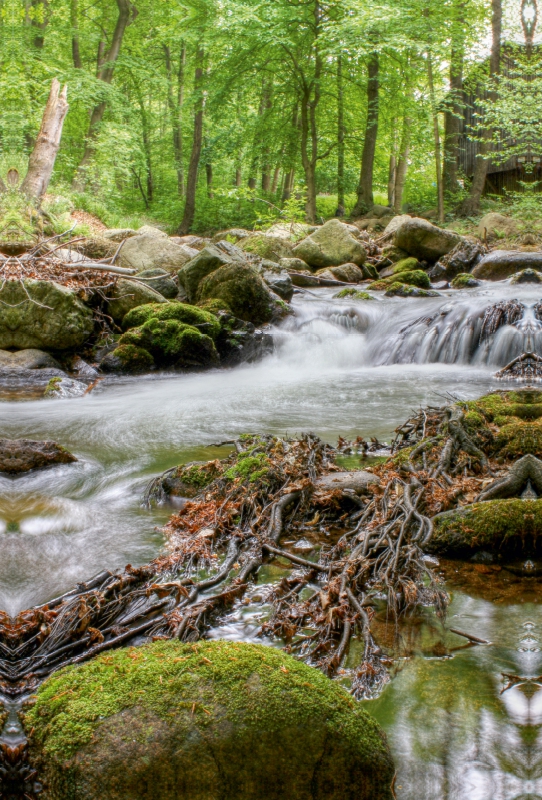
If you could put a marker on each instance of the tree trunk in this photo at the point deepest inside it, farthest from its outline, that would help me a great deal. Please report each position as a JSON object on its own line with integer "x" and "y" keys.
{"x": 471, "y": 204}
{"x": 267, "y": 103}
{"x": 288, "y": 185}
{"x": 192, "y": 177}
{"x": 175, "y": 105}
{"x": 365, "y": 199}
{"x": 106, "y": 68}
{"x": 76, "y": 54}
{"x": 146, "y": 136}
{"x": 402, "y": 166}
{"x": 276, "y": 175}
{"x": 436, "y": 135}
{"x": 454, "y": 105}
{"x": 238, "y": 177}
{"x": 340, "y": 139}
{"x": 392, "y": 169}
{"x": 291, "y": 156}
{"x": 42, "y": 158}
{"x": 209, "y": 176}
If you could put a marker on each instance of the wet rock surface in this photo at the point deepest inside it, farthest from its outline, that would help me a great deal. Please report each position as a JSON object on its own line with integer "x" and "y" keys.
{"x": 23, "y": 455}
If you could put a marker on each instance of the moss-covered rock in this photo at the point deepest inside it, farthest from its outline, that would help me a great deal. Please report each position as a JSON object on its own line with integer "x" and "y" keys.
{"x": 405, "y": 265}
{"x": 505, "y": 527}
{"x": 214, "y": 306}
{"x": 399, "y": 289}
{"x": 199, "y": 318}
{"x": 464, "y": 281}
{"x": 127, "y": 358}
{"x": 330, "y": 246}
{"x": 354, "y": 294}
{"x": 416, "y": 277}
{"x": 243, "y": 290}
{"x": 189, "y": 479}
{"x": 267, "y": 246}
{"x": 127, "y": 295}
{"x": 208, "y": 721}
{"x": 207, "y": 261}
{"x": 159, "y": 280}
{"x": 172, "y": 343}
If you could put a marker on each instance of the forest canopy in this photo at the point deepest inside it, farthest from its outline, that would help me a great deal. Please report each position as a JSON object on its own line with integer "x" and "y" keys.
{"x": 211, "y": 113}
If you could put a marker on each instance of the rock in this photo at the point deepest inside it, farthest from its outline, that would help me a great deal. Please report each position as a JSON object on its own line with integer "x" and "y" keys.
{"x": 207, "y": 261}
{"x": 352, "y": 294}
{"x": 404, "y": 265}
{"x": 204, "y": 321}
{"x": 349, "y": 273}
{"x": 399, "y": 289}
{"x": 147, "y": 251}
{"x": 280, "y": 283}
{"x": 22, "y": 455}
{"x": 97, "y": 247}
{"x": 204, "y": 721}
{"x": 292, "y": 233}
{"x": 151, "y": 230}
{"x": 494, "y": 225}
{"x": 465, "y": 255}
{"x": 129, "y": 294}
{"x": 84, "y": 370}
{"x": 464, "y": 281}
{"x": 415, "y": 277}
{"x": 330, "y": 246}
{"x": 500, "y": 264}
{"x": 293, "y": 264}
{"x": 242, "y": 289}
{"x": 233, "y": 234}
{"x": 527, "y": 276}
{"x": 381, "y": 211}
{"x": 69, "y": 256}
{"x": 170, "y": 343}
{"x": 61, "y": 387}
{"x": 234, "y": 252}
{"x": 44, "y": 315}
{"x": 160, "y": 281}
{"x": 196, "y": 242}
{"x": 395, "y": 223}
{"x": 304, "y": 279}
{"x": 423, "y": 240}
{"x": 27, "y": 359}
{"x": 357, "y": 481}
{"x": 127, "y": 358}
{"x": 119, "y": 234}
{"x": 268, "y": 246}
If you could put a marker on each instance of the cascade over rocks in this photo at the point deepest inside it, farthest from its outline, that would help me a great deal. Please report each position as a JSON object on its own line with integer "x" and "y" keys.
{"x": 330, "y": 246}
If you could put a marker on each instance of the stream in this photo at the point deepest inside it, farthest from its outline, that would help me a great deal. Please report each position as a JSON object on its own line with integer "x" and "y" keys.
{"x": 340, "y": 367}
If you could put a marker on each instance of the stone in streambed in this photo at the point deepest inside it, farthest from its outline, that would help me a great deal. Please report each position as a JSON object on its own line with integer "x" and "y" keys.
{"x": 27, "y": 359}
{"x": 152, "y": 251}
{"x": 22, "y": 455}
{"x": 159, "y": 280}
{"x": 500, "y": 264}
{"x": 423, "y": 240}
{"x": 330, "y": 246}
{"x": 127, "y": 295}
{"x": 213, "y": 720}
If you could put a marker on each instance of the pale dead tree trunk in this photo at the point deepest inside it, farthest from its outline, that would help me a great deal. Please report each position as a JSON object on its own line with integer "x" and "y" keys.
{"x": 42, "y": 159}
{"x": 106, "y": 67}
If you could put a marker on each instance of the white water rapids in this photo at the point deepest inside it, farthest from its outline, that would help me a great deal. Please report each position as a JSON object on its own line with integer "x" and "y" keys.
{"x": 343, "y": 367}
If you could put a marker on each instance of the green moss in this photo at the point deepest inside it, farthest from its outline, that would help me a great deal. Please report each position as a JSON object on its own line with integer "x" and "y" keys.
{"x": 52, "y": 387}
{"x": 133, "y": 357}
{"x": 249, "y": 467}
{"x": 503, "y": 526}
{"x": 198, "y": 476}
{"x": 242, "y": 289}
{"x": 405, "y": 265}
{"x": 355, "y": 294}
{"x": 464, "y": 281}
{"x": 519, "y": 438}
{"x": 415, "y": 277}
{"x": 199, "y": 318}
{"x": 172, "y": 342}
{"x": 199, "y": 684}
{"x": 214, "y": 306}
{"x": 474, "y": 420}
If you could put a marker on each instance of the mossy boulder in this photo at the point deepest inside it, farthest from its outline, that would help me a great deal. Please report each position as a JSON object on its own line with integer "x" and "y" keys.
{"x": 207, "y": 721}
{"x": 127, "y": 358}
{"x": 405, "y": 265}
{"x": 464, "y": 281}
{"x": 354, "y": 294}
{"x": 267, "y": 246}
{"x": 129, "y": 294}
{"x": 416, "y": 277}
{"x": 150, "y": 250}
{"x": 159, "y": 280}
{"x": 507, "y": 528}
{"x": 243, "y": 290}
{"x": 173, "y": 343}
{"x": 330, "y": 246}
{"x": 43, "y": 315}
{"x": 207, "y": 261}
{"x": 423, "y": 240}
{"x": 199, "y": 318}
{"x": 399, "y": 289}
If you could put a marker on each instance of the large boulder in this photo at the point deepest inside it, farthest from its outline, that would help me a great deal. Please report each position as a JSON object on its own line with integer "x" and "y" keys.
{"x": 153, "y": 251}
{"x": 465, "y": 255}
{"x": 494, "y": 225}
{"x": 330, "y": 246}
{"x": 160, "y": 281}
{"x": 500, "y": 264}
{"x": 206, "y": 261}
{"x": 243, "y": 290}
{"x": 423, "y": 240}
{"x": 348, "y": 273}
{"x": 267, "y": 246}
{"x": 42, "y": 314}
{"x": 129, "y": 294}
{"x": 280, "y": 282}
{"x": 27, "y": 359}
{"x": 395, "y": 223}
{"x": 119, "y": 234}
{"x": 213, "y": 720}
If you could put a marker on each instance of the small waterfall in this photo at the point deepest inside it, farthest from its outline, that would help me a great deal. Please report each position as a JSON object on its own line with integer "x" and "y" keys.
{"x": 488, "y": 327}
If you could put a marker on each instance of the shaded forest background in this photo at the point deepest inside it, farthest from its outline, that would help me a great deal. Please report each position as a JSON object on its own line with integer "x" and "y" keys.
{"x": 208, "y": 114}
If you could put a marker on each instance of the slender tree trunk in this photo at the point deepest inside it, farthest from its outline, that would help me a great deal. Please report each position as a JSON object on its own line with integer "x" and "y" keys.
{"x": 276, "y": 175}
{"x": 365, "y": 199}
{"x": 340, "y": 139}
{"x": 192, "y": 177}
{"x": 309, "y": 129}
{"x": 454, "y": 105}
{"x": 291, "y": 155}
{"x": 42, "y": 158}
{"x": 288, "y": 185}
{"x": 209, "y": 177}
{"x": 106, "y": 68}
{"x": 402, "y": 166}
{"x": 436, "y": 135}
{"x": 471, "y": 204}
{"x": 76, "y": 54}
{"x": 267, "y": 106}
{"x": 39, "y": 21}
{"x": 392, "y": 170}
{"x": 238, "y": 177}
{"x": 175, "y": 105}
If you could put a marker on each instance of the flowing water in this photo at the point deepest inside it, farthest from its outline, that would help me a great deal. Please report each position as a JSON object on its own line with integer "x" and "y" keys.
{"x": 345, "y": 367}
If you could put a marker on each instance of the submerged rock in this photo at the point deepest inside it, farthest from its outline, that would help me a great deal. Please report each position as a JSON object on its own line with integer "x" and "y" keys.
{"x": 527, "y": 276}
{"x": 27, "y": 359}
{"x": 205, "y": 721}
{"x": 22, "y": 455}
